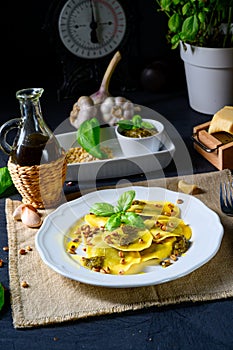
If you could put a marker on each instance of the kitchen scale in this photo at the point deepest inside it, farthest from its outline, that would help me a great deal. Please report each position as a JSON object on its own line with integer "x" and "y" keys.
{"x": 217, "y": 148}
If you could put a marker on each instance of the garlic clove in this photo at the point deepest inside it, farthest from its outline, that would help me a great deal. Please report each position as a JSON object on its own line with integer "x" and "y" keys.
{"x": 128, "y": 114}
{"x": 129, "y": 106}
{"x": 85, "y": 101}
{"x": 30, "y": 206}
{"x": 105, "y": 108}
{"x": 74, "y": 115}
{"x": 116, "y": 112}
{"x": 119, "y": 100}
{"x": 109, "y": 101}
{"x": 30, "y": 217}
{"x": 107, "y": 117}
{"x": 18, "y": 212}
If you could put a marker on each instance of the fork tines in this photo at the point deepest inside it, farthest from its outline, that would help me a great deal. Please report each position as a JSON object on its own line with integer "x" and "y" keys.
{"x": 226, "y": 197}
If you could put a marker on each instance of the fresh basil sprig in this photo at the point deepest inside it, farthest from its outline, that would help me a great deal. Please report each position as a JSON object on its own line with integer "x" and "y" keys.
{"x": 1, "y": 296}
{"x": 135, "y": 123}
{"x": 88, "y": 136}
{"x": 7, "y": 187}
{"x": 118, "y": 214}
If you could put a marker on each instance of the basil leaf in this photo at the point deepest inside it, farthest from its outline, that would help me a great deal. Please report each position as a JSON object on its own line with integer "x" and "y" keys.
{"x": 190, "y": 26}
{"x": 125, "y": 124}
{"x": 147, "y": 125}
{"x": 88, "y": 136}
{"x": 137, "y": 120}
{"x": 113, "y": 222}
{"x": 175, "y": 22}
{"x": 125, "y": 201}
{"x": 132, "y": 219}
{"x": 6, "y": 184}
{"x": 1, "y": 296}
{"x": 102, "y": 209}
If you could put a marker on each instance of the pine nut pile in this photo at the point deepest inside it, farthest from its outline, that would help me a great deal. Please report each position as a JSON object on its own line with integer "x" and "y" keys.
{"x": 79, "y": 155}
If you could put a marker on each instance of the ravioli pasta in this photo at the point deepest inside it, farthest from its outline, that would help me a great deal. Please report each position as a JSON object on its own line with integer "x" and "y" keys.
{"x": 128, "y": 249}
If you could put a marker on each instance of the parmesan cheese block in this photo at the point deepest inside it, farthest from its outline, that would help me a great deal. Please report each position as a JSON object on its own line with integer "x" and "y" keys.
{"x": 222, "y": 121}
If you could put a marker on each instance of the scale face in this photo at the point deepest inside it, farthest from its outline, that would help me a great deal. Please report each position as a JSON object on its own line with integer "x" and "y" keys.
{"x": 92, "y": 29}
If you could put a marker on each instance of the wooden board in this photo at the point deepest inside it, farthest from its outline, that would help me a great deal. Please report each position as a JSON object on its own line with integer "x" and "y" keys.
{"x": 211, "y": 148}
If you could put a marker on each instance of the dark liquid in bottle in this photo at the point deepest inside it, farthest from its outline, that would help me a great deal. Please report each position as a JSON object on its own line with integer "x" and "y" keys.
{"x": 37, "y": 149}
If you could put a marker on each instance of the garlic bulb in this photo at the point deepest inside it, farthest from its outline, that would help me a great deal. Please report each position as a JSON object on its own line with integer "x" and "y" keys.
{"x": 84, "y": 108}
{"x": 111, "y": 108}
{"x": 115, "y": 108}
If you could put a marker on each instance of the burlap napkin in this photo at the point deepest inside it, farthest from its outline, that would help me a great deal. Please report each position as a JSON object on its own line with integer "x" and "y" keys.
{"x": 52, "y": 298}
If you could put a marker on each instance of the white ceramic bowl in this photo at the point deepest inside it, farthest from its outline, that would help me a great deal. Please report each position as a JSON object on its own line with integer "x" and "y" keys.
{"x": 135, "y": 146}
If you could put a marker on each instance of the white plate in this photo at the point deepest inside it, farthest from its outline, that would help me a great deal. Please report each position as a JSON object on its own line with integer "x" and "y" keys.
{"x": 120, "y": 165}
{"x": 205, "y": 242}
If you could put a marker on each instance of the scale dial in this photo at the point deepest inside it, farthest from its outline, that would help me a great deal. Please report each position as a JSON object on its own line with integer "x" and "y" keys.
{"x": 92, "y": 29}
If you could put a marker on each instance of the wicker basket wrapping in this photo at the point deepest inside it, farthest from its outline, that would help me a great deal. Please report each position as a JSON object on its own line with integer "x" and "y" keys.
{"x": 40, "y": 185}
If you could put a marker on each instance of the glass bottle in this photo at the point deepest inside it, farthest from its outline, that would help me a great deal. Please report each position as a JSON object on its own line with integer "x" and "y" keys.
{"x": 34, "y": 143}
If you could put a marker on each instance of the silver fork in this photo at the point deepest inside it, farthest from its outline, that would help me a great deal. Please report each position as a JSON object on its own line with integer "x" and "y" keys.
{"x": 226, "y": 198}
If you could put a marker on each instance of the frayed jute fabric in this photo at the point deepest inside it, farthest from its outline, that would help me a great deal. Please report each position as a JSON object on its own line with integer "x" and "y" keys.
{"x": 51, "y": 298}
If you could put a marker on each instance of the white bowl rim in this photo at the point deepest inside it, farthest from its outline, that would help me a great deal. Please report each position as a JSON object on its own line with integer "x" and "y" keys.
{"x": 153, "y": 121}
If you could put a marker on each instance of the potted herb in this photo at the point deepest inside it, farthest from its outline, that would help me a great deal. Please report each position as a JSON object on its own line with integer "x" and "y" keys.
{"x": 203, "y": 30}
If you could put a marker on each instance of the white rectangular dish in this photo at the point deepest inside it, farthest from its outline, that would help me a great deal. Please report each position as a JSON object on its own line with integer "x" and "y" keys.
{"x": 118, "y": 166}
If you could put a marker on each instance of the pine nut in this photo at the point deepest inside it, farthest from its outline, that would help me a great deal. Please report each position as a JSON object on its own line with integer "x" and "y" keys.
{"x": 24, "y": 284}
{"x": 22, "y": 251}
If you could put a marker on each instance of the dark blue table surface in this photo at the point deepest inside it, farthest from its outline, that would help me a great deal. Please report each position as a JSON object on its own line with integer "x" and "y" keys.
{"x": 186, "y": 326}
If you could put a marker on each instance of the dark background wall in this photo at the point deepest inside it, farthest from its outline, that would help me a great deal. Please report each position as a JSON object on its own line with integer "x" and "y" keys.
{"x": 29, "y": 56}
{"x": 26, "y": 55}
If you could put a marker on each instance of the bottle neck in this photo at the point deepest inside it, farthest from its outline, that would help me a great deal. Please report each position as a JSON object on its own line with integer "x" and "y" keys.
{"x": 30, "y": 109}
{"x": 31, "y": 115}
